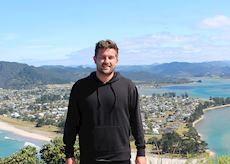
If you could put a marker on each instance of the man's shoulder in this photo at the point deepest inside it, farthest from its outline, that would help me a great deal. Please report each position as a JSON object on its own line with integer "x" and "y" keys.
{"x": 126, "y": 80}
{"x": 82, "y": 82}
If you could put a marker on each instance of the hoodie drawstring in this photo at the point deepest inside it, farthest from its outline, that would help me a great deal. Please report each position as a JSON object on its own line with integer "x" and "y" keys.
{"x": 115, "y": 97}
{"x": 98, "y": 100}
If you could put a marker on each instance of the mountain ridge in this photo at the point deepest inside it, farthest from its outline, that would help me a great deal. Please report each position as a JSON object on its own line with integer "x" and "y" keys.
{"x": 20, "y": 75}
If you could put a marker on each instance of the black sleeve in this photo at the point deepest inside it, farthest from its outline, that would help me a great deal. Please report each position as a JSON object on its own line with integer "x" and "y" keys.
{"x": 72, "y": 124}
{"x": 136, "y": 122}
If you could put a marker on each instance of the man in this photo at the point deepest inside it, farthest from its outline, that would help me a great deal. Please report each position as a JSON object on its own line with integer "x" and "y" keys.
{"x": 103, "y": 108}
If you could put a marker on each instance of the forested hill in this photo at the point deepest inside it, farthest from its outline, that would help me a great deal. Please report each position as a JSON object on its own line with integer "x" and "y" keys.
{"x": 17, "y": 75}
{"x": 183, "y": 69}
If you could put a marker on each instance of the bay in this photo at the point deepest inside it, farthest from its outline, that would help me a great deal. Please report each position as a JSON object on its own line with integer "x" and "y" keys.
{"x": 208, "y": 87}
{"x": 214, "y": 129}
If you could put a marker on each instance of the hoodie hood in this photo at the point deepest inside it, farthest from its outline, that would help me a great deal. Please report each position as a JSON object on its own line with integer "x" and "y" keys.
{"x": 115, "y": 77}
{"x": 99, "y": 83}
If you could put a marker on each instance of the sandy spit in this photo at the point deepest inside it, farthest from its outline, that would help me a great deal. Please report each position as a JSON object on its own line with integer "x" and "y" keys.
{"x": 10, "y": 128}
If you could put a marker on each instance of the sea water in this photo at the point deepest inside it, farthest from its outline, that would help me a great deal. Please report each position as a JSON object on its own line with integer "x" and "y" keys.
{"x": 11, "y": 143}
{"x": 215, "y": 130}
{"x": 206, "y": 89}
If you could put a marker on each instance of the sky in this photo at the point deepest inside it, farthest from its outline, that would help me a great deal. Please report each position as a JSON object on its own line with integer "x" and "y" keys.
{"x": 56, "y": 32}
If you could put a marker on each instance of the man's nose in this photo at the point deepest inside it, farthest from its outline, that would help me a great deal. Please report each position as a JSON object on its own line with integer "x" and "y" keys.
{"x": 106, "y": 60}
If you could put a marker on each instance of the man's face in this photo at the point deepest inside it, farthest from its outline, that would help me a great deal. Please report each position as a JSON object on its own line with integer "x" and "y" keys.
{"x": 106, "y": 61}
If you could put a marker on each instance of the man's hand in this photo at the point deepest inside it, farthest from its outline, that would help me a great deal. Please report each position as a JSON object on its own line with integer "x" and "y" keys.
{"x": 70, "y": 161}
{"x": 140, "y": 160}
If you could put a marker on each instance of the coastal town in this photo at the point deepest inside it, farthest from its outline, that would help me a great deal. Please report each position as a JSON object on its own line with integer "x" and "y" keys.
{"x": 47, "y": 105}
{"x": 162, "y": 114}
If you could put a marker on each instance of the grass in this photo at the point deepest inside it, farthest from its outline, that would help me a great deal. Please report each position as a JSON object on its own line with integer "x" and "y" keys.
{"x": 182, "y": 129}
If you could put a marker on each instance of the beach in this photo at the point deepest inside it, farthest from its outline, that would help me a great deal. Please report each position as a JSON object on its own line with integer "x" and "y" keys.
{"x": 217, "y": 107}
{"x": 208, "y": 109}
{"x": 33, "y": 135}
{"x": 196, "y": 121}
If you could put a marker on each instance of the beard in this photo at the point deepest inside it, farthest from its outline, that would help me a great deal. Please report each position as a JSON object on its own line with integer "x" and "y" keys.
{"x": 106, "y": 71}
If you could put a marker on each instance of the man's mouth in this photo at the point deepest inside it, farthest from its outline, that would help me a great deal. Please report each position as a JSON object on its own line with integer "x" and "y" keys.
{"x": 105, "y": 66}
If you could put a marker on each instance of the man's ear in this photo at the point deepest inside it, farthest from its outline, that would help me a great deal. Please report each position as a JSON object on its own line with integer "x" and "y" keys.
{"x": 94, "y": 58}
{"x": 117, "y": 58}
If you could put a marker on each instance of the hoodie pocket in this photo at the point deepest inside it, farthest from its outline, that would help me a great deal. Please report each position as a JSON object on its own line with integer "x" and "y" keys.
{"x": 110, "y": 138}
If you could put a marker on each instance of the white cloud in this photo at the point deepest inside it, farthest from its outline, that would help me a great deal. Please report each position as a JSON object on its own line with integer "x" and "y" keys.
{"x": 148, "y": 49}
{"x": 162, "y": 47}
{"x": 218, "y": 21}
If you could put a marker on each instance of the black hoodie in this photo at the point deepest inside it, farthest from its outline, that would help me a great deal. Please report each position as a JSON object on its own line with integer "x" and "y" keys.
{"x": 103, "y": 115}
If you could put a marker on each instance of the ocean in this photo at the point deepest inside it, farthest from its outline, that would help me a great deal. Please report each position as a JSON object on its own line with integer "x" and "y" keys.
{"x": 11, "y": 143}
{"x": 8, "y": 144}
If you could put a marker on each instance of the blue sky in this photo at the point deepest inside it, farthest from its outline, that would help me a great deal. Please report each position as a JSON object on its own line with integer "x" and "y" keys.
{"x": 55, "y": 32}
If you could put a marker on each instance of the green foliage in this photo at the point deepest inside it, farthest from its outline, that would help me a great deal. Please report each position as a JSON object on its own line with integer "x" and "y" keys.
{"x": 26, "y": 155}
{"x": 169, "y": 94}
{"x": 154, "y": 140}
{"x": 220, "y": 100}
{"x": 48, "y": 98}
{"x": 45, "y": 121}
{"x": 170, "y": 142}
{"x": 53, "y": 153}
{"x": 61, "y": 124}
{"x": 223, "y": 160}
{"x": 184, "y": 95}
{"x": 197, "y": 113}
{"x": 40, "y": 123}
{"x": 173, "y": 143}
{"x": 192, "y": 143}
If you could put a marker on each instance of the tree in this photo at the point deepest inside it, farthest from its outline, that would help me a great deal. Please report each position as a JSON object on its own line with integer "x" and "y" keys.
{"x": 191, "y": 143}
{"x": 154, "y": 141}
{"x": 53, "y": 153}
{"x": 40, "y": 123}
{"x": 26, "y": 155}
{"x": 61, "y": 124}
{"x": 170, "y": 142}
